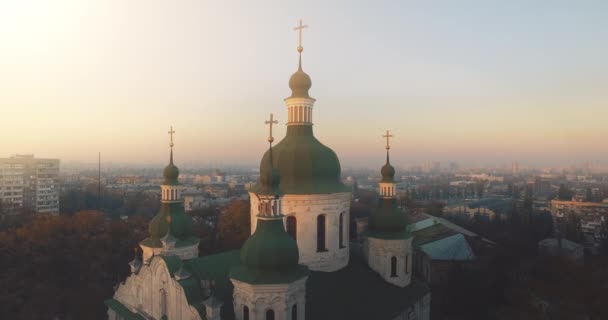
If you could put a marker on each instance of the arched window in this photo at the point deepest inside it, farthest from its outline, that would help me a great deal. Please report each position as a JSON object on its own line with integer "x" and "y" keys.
{"x": 269, "y": 314}
{"x": 245, "y": 313}
{"x": 292, "y": 228}
{"x": 163, "y": 303}
{"x": 341, "y": 231}
{"x": 393, "y": 266}
{"x": 294, "y": 312}
{"x": 321, "y": 246}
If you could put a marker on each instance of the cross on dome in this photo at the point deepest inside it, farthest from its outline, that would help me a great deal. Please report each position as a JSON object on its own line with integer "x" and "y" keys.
{"x": 270, "y": 123}
{"x": 171, "y": 132}
{"x": 388, "y": 135}
{"x": 299, "y": 28}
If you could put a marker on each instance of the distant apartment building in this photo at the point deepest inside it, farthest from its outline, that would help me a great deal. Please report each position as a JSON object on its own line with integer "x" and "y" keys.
{"x": 591, "y": 215}
{"x": 29, "y": 183}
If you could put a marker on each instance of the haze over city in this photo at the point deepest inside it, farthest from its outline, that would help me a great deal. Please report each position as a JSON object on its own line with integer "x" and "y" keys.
{"x": 478, "y": 82}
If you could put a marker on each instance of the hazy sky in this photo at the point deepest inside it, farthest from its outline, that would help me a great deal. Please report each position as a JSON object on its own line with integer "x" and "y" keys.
{"x": 471, "y": 81}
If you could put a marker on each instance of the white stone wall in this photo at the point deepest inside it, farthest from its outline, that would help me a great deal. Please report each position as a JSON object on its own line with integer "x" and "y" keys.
{"x": 183, "y": 253}
{"x": 279, "y": 297}
{"x": 141, "y": 293}
{"x": 306, "y": 209}
{"x": 379, "y": 253}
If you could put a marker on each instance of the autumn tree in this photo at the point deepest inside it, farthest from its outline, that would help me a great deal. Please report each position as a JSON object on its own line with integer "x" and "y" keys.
{"x": 234, "y": 225}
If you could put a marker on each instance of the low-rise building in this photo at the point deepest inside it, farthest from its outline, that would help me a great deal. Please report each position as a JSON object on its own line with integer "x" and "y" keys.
{"x": 591, "y": 215}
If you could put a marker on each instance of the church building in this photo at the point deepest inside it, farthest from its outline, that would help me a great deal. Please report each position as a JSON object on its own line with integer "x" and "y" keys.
{"x": 299, "y": 262}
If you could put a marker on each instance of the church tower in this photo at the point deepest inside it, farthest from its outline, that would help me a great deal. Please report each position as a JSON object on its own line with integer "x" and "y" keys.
{"x": 170, "y": 231}
{"x": 388, "y": 247}
{"x": 315, "y": 202}
{"x": 269, "y": 283}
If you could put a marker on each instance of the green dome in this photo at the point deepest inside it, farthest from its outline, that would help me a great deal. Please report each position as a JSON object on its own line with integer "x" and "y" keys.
{"x": 387, "y": 220}
{"x": 387, "y": 171}
{"x": 305, "y": 165}
{"x": 158, "y": 226}
{"x": 269, "y": 177}
{"x": 270, "y": 248}
{"x": 300, "y": 83}
{"x": 170, "y": 173}
{"x": 171, "y": 215}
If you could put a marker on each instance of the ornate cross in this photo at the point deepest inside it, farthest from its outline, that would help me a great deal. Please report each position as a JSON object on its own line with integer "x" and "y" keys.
{"x": 270, "y": 123}
{"x": 300, "y": 28}
{"x": 388, "y": 135}
{"x": 171, "y": 132}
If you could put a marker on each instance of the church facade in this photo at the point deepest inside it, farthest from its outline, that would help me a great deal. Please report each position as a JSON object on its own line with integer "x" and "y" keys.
{"x": 298, "y": 263}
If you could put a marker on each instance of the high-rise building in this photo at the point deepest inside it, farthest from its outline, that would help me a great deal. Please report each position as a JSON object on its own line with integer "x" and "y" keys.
{"x": 29, "y": 183}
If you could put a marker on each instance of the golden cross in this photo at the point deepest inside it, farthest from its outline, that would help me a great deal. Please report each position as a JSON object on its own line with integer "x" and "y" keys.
{"x": 270, "y": 123}
{"x": 388, "y": 135}
{"x": 300, "y": 28}
{"x": 171, "y": 132}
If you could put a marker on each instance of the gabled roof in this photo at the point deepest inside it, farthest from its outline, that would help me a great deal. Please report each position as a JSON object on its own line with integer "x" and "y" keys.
{"x": 452, "y": 248}
{"x": 432, "y": 233}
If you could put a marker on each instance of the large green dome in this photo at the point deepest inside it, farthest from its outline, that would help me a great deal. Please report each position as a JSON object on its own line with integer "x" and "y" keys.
{"x": 305, "y": 165}
{"x": 269, "y": 177}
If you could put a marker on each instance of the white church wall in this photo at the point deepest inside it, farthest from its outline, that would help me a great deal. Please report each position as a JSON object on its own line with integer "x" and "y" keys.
{"x": 258, "y": 299}
{"x": 380, "y": 252}
{"x": 143, "y": 293}
{"x": 306, "y": 209}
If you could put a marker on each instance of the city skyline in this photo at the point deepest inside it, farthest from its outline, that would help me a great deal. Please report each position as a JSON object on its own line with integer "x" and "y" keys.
{"x": 474, "y": 83}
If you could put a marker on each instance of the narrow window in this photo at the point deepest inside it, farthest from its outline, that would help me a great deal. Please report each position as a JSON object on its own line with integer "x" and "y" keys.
{"x": 393, "y": 266}
{"x": 341, "y": 231}
{"x": 292, "y": 228}
{"x": 163, "y": 303}
{"x": 245, "y": 313}
{"x": 269, "y": 314}
{"x": 294, "y": 312}
{"x": 321, "y": 233}
{"x": 406, "y": 260}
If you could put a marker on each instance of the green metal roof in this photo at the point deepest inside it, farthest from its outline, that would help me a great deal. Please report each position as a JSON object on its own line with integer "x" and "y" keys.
{"x": 433, "y": 233}
{"x": 270, "y": 255}
{"x": 357, "y": 292}
{"x": 305, "y": 165}
{"x": 452, "y": 248}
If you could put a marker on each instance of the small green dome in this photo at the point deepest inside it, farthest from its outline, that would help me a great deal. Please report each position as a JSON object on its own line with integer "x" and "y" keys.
{"x": 388, "y": 173}
{"x": 171, "y": 216}
{"x": 388, "y": 219}
{"x": 270, "y": 248}
{"x": 170, "y": 173}
{"x": 305, "y": 165}
{"x": 300, "y": 83}
{"x": 181, "y": 225}
{"x": 158, "y": 226}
